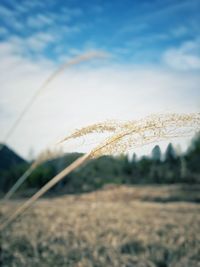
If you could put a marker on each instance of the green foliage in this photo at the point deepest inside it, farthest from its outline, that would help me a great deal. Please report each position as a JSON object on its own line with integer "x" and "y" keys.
{"x": 9, "y": 159}
{"x": 10, "y": 176}
{"x": 193, "y": 155}
{"x": 170, "y": 154}
{"x": 113, "y": 170}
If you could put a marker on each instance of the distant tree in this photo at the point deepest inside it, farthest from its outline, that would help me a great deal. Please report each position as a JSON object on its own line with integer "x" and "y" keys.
{"x": 135, "y": 172}
{"x": 156, "y": 154}
{"x": 195, "y": 144}
{"x": 144, "y": 167}
{"x": 183, "y": 168}
{"x": 134, "y": 157}
{"x": 126, "y": 168}
{"x": 155, "y": 170}
{"x": 193, "y": 154}
{"x": 170, "y": 154}
{"x": 155, "y": 174}
{"x": 134, "y": 161}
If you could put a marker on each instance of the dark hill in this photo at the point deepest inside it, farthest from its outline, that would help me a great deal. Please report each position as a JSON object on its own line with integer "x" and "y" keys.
{"x": 9, "y": 158}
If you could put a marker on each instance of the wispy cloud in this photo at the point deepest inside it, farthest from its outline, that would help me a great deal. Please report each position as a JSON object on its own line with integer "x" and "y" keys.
{"x": 180, "y": 31}
{"x": 31, "y": 4}
{"x": 39, "y": 41}
{"x": 3, "y": 31}
{"x": 9, "y": 17}
{"x": 164, "y": 9}
{"x": 186, "y": 57}
{"x": 41, "y": 20}
{"x": 5, "y": 12}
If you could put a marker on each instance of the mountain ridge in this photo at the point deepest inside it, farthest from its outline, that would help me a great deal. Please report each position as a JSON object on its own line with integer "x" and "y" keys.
{"x": 9, "y": 158}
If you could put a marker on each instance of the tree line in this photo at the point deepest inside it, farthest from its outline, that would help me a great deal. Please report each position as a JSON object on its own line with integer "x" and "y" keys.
{"x": 167, "y": 168}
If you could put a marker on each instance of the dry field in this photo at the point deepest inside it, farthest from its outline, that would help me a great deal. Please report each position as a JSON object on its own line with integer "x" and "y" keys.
{"x": 112, "y": 227}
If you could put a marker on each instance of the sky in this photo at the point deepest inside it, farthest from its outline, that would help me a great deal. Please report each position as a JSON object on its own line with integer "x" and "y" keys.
{"x": 153, "y": 64}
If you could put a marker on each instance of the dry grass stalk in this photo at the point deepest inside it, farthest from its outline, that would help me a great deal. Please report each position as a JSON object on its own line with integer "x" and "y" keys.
{"x": 44, "y": 156}
{"x": 45, "y": 188}
{"x": 106, "y": 228}
{"x": 76, "y": 60}
{"x": 150, "y": 129}
{"x": 108, "y": 126}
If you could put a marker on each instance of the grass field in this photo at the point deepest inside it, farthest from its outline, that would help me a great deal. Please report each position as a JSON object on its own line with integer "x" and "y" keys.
{"x": 117, "y": 226}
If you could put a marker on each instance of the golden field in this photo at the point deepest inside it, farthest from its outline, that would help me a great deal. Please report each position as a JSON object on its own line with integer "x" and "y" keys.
{"x": 116, "y": 226}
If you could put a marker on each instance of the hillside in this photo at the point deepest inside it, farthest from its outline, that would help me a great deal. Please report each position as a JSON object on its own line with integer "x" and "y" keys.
{"x": 9, "y": 158}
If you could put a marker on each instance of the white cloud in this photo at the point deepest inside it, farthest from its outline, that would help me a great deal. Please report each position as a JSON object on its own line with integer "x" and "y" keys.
{"x": 20, "y": 45}
{"x": 186, "y": 57}
{"x": 41, "y": 20}
{"x": 5, "y": 12}
{"x": 10, "y": 18}
{"x": 3, "y": 31}
{"x": 8, "y": 49}
{"x": 180, "y": 31}
{"x": 40, "y": 40}
{"x": 33, "y": 4}
{"x": 26, "y": 6}
{"x": 81, "y": 96}
{"x": 143, "y": 41}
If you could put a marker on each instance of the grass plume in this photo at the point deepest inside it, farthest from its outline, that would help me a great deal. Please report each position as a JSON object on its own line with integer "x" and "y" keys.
{"x": 153, "y": 128}
{"x": 125, "y": 135}
{"x": 102, "y": 127}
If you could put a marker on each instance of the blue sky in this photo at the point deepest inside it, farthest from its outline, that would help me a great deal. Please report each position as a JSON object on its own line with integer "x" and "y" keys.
{"x": 135, "y": 31}
{"x": 154, "y": 63}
